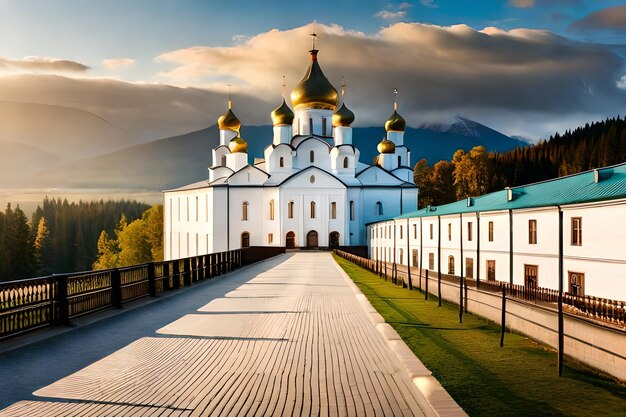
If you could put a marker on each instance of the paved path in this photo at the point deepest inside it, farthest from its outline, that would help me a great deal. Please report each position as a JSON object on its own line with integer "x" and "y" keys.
{"x": 288, "y": 336}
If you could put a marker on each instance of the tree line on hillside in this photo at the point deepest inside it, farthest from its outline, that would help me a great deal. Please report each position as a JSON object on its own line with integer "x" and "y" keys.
{"x": 473, "y": 173}
{"x": 61, "y": 236}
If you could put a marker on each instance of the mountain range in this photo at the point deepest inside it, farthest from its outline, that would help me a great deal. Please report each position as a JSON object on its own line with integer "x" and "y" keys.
{"x": 73, "y": 149}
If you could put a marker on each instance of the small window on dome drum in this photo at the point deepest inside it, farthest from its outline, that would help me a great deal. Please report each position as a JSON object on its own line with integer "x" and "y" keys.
{"x": 346, "y": 162}
{"x": 281, "y": 162}
{"x": 312, "y": 156}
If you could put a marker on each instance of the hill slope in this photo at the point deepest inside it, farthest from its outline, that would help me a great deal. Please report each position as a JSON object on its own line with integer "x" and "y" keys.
{"x": 183, "y": 159}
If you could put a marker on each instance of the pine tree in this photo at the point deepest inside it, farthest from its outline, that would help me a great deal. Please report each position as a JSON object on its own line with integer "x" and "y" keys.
{"x": 44, "y": 251}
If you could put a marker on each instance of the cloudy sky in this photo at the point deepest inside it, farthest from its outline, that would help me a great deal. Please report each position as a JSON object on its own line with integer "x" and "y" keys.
{"x": 160, "y": 67}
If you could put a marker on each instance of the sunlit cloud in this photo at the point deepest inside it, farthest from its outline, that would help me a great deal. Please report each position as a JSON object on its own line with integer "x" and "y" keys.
{"x": 429, "y": 3}
{"x": 118, "y": 63}
{"x": 34, "y": 64}
{"x": 400, "y": 11}
{"x": 611, "y": 18}
{"x": 438, "y": 70}
{"x": 622, "y": 83}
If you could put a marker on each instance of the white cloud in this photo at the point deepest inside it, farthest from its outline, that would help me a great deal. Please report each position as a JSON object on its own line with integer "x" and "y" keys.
{"x": 622, "y": 83}
{"x": 399, "y": 13}
{"x": 117, "y": 63}
{"x": 35, "y": 64}
{"x": 445, "y": 70}
{"x": 240, "y": 38}
{"x": 428, "y": 3}
{"x": 389, "y": 15}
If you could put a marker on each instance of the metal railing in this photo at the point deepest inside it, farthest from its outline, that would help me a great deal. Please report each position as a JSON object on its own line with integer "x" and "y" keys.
{"x": 602, "y": 309}
{"x": 29, "y": 304}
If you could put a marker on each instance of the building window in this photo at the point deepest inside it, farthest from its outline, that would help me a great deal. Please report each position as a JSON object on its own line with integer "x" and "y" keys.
{"x": 431, "y": 231}
{"x": 245, "y": 240}
{"x": 310, "y": 126}
{"x": 431, "y": 261}
{"x": 414, "y": 231}
{"x": 271, "y": 209}
{"x": 312, "y": 209}
{"x": 290, "y": 210}
{"x": 414, "y": 254}
{"x": 491, "y": 231}
{"x": 270, "y": 238}
{"x": 469, "y": 267}
{"x": 281, "y": 162}
{"x": 351, "y": 210}
{"x": 401, "y": 253}
{"x": 532, "y": 232}
{"x": 491, "y": 270}
{"x": 577, "y": 231}
{"x": 323, "y": 126}
{"x": 244, "y": 210}
{"x": 311, "y": 156}
{"x": 576, "y": 283}
{"x": 346, "y": 162}
{"x": 379, "y": 208}
{"x": 451, "y": 265}
{"x": 312, "y": 179}
{"x": 530, "y": 276}
{"x": 223, "y": 160}
{"x": 449, "y": 231}
{"x": 469, "y": 231}
{"x": 333, "y": 210}
{"x": 401, "y": 233}
{"x": 399, "y": 160}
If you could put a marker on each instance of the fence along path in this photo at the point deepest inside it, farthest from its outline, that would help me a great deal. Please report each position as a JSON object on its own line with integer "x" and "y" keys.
{"x": 292, "y": 340}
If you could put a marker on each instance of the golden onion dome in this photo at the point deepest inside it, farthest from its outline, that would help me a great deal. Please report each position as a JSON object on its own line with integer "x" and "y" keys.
{"x": 395, "y": 123}
{"x": 386, "y": 146}
{"x": 238, "y": 145}
{"x": 343, "y": 116}
{"x": 228, "y": 121}
{"x": 282, "y": 115}
{"x": 314, "y": 91}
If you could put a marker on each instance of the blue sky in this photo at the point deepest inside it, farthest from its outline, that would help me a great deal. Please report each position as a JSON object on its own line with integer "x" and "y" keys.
{"x": 152, "y": 41}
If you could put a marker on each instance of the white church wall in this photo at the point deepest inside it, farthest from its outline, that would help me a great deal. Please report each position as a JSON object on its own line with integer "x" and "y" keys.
{"x": 253, "y": 222}
{"x": 321, "y": 156}
{"x": 272, "y": 214}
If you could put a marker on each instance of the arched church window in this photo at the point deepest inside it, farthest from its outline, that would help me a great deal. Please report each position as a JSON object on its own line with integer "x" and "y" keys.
{"x": 379, "y": 208}
{"x": 290, "y": 210}
{"x": 271, "y": 209}
{"x": 323, "y": 126}
{"x": 401, "y": 255}
{"x": 346, "y": 162}
{"x": 312, "y": 156}
{"x": 310, "y": 125}
{"x": 312, "y": 209}
{"x": 451, "y": 265}
{"x": 223, "y": 160}
{"x": 351, "y": 210}
{"x": 399, "y": 160}
{"x": 333, "y": 210}
{"x": 281, "y": 162}
{"x": 245, "y": 240}
{"x": 244, "y": 210}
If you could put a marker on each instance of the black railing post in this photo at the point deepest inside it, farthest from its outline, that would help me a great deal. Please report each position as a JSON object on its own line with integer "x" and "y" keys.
{"x": 62, "y": 300}
{"x": 426, "y": 286}
{"x": 187, "y": 273}
{"x": 176, "y": 274}
{"x": 503, "y": 315}
{"x": 116, "y": 288}
{"x": 151, "y": 280}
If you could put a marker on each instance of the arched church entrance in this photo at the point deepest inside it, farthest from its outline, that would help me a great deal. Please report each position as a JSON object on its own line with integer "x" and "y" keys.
{"x": 333, "y": 239}
{"x": 245, "y": 240}
{"x": 290, "y": 241}
{"x": 311, "y": 239}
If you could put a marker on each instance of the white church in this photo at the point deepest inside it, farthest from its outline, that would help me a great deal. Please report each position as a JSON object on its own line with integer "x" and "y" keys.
{"x": 309, "y": 190}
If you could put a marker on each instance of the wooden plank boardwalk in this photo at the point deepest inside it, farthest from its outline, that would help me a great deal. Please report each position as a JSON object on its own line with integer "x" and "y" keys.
{"x": 293, "y": 339}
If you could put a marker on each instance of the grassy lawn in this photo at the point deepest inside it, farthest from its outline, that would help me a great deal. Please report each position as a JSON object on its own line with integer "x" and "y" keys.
{"x": 519, "y": 379}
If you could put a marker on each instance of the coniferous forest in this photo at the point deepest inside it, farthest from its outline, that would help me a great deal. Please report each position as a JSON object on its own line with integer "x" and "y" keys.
{"x": 477, "y": 172}
{"x": 61, "y": 236}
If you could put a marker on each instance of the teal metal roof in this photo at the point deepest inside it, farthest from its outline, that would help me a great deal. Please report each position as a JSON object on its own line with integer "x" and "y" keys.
{"x": 600, "y": 184}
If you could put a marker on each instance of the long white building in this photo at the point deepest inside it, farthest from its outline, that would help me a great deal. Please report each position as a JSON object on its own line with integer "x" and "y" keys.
{"x": 310, "y": 190}
{"x": 513, "y": 235}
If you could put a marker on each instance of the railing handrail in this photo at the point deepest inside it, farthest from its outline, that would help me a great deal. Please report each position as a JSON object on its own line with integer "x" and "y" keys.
{"x": 41, "y": 301}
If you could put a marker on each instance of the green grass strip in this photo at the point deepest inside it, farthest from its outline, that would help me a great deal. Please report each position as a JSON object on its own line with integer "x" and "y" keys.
{"x": 519, "y": 379}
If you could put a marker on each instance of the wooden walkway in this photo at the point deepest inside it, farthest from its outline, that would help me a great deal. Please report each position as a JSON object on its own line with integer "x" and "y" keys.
{"x": 294, "y": 339}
